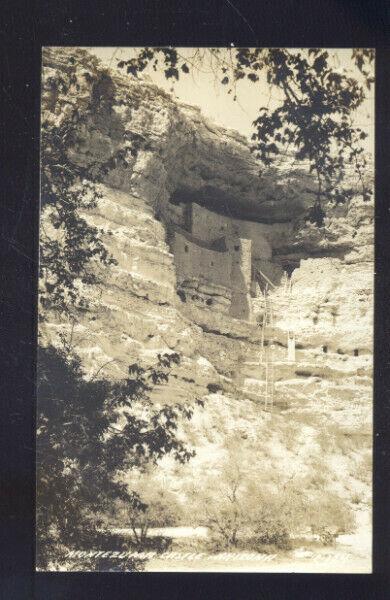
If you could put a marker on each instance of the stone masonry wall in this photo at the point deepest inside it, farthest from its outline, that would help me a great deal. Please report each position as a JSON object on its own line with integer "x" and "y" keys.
{"x": 193, "y": 260}
{"x": 209, "y": 225}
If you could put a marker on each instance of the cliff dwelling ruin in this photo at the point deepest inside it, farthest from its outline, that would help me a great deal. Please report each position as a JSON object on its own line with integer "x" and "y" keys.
{"x": 222, "y": 263}
{"x": 213, "y": 260}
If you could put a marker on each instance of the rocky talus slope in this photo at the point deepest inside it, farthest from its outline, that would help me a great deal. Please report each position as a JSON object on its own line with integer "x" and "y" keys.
{"x": 321, "y": 422}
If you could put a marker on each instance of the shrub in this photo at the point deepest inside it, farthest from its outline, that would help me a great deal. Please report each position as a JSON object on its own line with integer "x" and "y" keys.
{"x": 226, "y": 525}
{"x": 329, "y": 516}
{"x": 272, "y": 530}
{"x": 214, "y": 388}
{"x": 276, "y": 516}
{"x": 241, "y": 515}
{"x": 237, "y": 524}
{"x": 357, "y": 498}
{"x": 225, "y": 512}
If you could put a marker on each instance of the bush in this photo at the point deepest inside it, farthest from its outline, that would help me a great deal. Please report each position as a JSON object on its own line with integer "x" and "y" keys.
{"x": 329, "y": 516}
{"x": 214, "y": 388}
{"x": 327, "y": 538}
{"x": 226, "y": 525}
{"x": 272, "y": 530}
{"x": 240, "y": 515}
{"x": 237, "y": 525}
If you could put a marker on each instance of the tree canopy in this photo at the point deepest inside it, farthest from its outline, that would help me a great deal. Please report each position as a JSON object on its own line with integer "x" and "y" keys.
{"x": 89, "y": 431}
{"x": 69, "y": 246}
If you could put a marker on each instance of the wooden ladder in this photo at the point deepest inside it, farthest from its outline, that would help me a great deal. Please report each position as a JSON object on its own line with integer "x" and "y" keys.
{"x": 267, "y": 361}
{"x": 267, "y": 358}
{"x": 269, "y": 354}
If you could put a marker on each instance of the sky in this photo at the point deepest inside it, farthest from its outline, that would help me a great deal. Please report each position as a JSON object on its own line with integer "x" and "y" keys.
{"x": 205, "y": 91}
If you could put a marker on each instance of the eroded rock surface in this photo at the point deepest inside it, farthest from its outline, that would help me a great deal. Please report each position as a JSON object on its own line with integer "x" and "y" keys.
{"x": 136, "y": 312}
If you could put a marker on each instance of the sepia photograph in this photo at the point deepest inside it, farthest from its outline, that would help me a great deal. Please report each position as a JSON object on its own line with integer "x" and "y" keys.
{"x": 205, "y": 329}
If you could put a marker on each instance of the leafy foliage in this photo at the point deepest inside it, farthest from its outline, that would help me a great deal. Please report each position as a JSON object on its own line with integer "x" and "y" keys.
{"x": 241, "y": 514}
{"x": 70, "y": 248}
{"x": 316, "y": 120}
{"x": 88, "y": 432}
{"x": 329, "y": 517}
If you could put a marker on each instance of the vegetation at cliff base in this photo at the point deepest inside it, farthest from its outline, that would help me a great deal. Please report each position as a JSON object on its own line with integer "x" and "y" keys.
{"x": 89, "y": 431}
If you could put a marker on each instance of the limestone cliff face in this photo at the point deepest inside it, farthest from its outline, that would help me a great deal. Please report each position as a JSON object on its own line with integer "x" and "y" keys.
{"x": 136, "y": 312}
